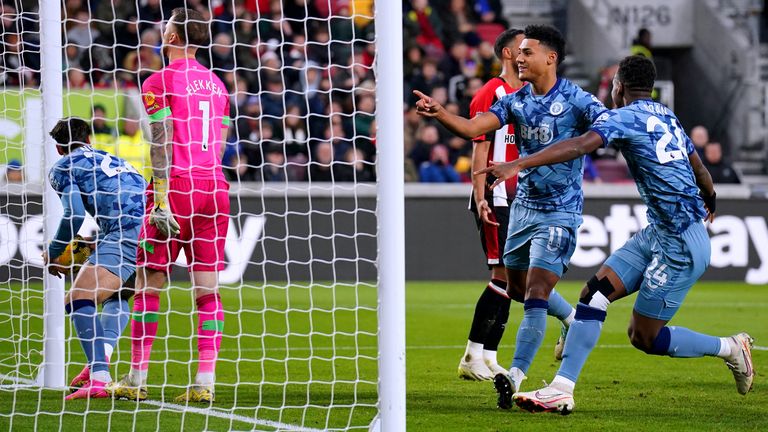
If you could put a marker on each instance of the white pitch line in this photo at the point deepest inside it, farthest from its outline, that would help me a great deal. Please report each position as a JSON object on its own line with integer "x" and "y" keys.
{"x": 18, "y": 382}
{"x": 227, "y": 416}
{"x": 354, "y": 348}
{"x": 621, "y": 305}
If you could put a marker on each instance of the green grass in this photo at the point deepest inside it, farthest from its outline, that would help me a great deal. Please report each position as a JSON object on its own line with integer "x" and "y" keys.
{"x": 291, "y": 351}
{"x": 620, "y": 388}
{"x": 284, "y": 345}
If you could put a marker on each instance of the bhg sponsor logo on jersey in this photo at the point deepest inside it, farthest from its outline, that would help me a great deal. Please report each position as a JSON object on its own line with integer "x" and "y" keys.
{"x": 737, "y": 241}
{"x": 541, "y": 133}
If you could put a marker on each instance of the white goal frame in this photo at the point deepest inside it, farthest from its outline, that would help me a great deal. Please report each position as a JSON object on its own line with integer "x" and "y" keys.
{"x": 390, "y": 209}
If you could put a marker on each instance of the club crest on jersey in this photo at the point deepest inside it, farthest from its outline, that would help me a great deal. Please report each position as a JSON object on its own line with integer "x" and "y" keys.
{"x": 556, "y": 108}
{"x": 149, "y": 99}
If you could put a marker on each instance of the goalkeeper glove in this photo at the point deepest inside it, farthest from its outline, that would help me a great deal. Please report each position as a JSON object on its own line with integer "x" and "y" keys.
{"x": 161, "y": 216}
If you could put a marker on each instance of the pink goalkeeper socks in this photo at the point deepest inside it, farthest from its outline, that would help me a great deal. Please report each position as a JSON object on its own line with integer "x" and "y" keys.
{"x": 143, "y": 329}
{"x": 210, "y": 325}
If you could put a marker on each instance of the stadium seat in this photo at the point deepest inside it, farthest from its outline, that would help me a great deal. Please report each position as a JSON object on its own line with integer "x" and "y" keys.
{"x": 488, "y": 32}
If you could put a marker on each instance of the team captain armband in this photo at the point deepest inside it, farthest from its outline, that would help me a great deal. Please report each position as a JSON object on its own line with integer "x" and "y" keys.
{"x": 155, "y": 106}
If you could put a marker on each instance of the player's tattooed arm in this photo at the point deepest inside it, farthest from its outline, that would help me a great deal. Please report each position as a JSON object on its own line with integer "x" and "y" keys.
{"x": 459, "y": 126}
{"x": 563, "y": 151}
{"x": 161, "y": 151}
{"x": 706, "y": 186}
{"x": 161, "y": 155}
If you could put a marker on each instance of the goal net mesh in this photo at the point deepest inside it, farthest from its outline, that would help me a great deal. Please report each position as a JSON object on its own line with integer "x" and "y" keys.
{"x": 299, "y": 348}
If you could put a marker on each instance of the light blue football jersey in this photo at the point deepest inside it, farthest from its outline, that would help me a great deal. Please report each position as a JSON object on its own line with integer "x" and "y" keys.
{"x": 656, "y": 148}
{"x": 111, "y": 189}
{"x": 565, "y": 112}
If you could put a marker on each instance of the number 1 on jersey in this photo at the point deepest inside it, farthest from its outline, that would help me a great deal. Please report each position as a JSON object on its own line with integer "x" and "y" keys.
{"x": 205, "y": 107}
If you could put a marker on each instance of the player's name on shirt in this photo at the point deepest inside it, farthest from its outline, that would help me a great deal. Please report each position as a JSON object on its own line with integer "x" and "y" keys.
{"x": 197, "y": 85}
{"x": 655, "y": 108}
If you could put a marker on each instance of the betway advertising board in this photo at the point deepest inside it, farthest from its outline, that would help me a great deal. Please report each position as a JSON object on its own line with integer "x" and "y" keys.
{"x": 331, "y": 236}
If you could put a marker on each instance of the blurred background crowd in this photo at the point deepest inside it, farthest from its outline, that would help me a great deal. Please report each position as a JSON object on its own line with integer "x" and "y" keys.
{"x": 301, "y": 77}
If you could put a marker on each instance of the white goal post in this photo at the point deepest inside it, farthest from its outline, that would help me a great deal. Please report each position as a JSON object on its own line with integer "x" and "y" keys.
{"x": 352, "y": 329}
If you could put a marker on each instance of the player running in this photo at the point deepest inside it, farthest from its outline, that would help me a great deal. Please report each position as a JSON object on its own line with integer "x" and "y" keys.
{"x": 662, "y": 261}
{"x": 187, "y": 203}
{"x": 112, "y": 191}
{"x": 549, "y": 199}
{"x": 491, "y": 210}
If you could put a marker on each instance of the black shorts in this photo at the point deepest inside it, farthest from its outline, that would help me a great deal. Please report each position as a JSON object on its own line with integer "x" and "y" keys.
{"x": 492, "y": 238}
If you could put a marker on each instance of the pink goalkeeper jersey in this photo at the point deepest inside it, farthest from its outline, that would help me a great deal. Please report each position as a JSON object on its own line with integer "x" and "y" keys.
{"x": 198, "y": 103}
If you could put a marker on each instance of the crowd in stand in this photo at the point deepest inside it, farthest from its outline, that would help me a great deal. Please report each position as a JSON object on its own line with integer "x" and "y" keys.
{"x": 300, "y": 74}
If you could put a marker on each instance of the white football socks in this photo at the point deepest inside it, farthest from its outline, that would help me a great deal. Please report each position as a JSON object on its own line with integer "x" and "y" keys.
{"x": 725, "y": 348}
{"x": 474, "y": 349}
{"x": 489, "y": 357}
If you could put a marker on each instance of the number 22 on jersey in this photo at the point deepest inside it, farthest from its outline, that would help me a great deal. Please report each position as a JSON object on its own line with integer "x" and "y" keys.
{"x": 667, "y": 137}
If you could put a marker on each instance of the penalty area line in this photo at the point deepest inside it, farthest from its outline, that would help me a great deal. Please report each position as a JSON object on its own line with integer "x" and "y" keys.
{"x": 212, "y": 412}
{"x": 18, "y": 382}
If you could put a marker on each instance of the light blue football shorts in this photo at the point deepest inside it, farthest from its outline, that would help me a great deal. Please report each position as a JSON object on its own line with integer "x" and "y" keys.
{"x": 544, "y": 239}
{"x": 662, "y": 266}
{"x": 116, "y": 252}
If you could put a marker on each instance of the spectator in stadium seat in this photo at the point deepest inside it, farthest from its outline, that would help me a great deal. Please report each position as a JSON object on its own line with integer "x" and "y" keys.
{"x": 423, "y": 25}
{"x": 295, "y": 143}
{"x": 720, "y": 170}
{"x": 72, "y": 57}
{"x": 438, "y": 168}
{"x": 456, "y": 22}
{"x": 488, "y": 65}
{"x": 150, "y": 14}
{"x": 273, "y": 169}
{"x": 140, "y": 63}
{"x": 429, "y": 137}
{"x": 321, "y": 166}
{"x": 76, "y": 79}
{"x": 354, "y": 167}
{"x": 272, "y": 104}
{"x": 366, "y": 105}
{"x": 455, "y": 61}
{"x": 222, "y": 53}
{"x": 18, "y": 61}
{"x": 81, "y": 33}
{"x": 414, "y": 56}
{"x": 429, "y": 78}
{"x": 700, "y": 138}
{"x": 14, "y": 172}
{"x": 103, "y": 135}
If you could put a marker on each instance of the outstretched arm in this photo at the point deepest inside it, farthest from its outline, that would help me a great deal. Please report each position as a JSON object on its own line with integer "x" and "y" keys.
{"x": 459, "y": 126}
{"x": 74, "y": 215}
{"x": 706, "y": 186}
{"x": 563, "y": 151}
{"x": 71, "y": 221}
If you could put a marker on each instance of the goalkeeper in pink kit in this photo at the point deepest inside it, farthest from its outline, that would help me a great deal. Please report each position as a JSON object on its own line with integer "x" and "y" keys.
{"x": 187, "y": 203}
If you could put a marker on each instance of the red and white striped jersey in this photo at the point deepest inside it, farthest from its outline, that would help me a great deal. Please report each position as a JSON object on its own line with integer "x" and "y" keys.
{"x": 503, "y": 146}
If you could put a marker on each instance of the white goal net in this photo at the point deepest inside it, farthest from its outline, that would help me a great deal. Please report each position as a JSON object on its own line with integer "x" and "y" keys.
{"x": 300, "y": 292}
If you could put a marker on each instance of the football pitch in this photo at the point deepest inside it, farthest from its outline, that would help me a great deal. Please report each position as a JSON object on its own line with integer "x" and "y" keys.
{"x": 305, "y": 357}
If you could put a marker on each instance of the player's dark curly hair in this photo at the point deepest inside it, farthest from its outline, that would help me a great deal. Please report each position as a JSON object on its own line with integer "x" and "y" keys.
{"x": 549, "y": 36}
{"x": 70, "y": 133}
{"x": 637, "y": 73}
{"x": 504, "y": 39}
